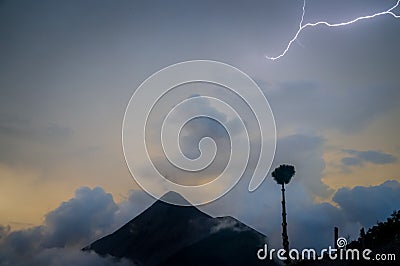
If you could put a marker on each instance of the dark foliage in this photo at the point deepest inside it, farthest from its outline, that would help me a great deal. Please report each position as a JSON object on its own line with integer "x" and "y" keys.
{"x": 383, "y": 238}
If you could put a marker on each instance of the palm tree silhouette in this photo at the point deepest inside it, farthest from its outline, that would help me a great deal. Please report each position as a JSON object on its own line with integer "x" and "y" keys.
{"x": 282, "y": 175}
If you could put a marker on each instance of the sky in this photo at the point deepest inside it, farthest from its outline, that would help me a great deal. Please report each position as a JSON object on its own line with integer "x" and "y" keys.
{"x": 69, "y": 68}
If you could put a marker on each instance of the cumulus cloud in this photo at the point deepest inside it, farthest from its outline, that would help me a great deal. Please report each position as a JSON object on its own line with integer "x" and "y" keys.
{"x": 137, "y": 202}
{"x": 366, "y": 205}
{"x": 310, "y": 223}
{"x": 92, "y": 209}
{"x": 261, "y": 209}
{"x": 198, "y": 128}
{"x": 91, "y": 214}
{"x": 357, "y": 158}
{"x": 4, "y": 230}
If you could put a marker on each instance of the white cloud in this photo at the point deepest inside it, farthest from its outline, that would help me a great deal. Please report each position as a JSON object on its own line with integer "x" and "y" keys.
{"x": 91, "y": 214}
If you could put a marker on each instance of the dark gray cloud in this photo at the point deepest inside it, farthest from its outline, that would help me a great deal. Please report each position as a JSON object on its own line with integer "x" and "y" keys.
{"x": 93, "y": 210}
{"x": 137, "y": 202}
{"x": 58, "y": 257}
{"x": 222, "y": 132}
{"x": 4, "y": 230}
{"x": 261, "y": 209}
{"x": 47, "y": 245}
{"x": 305, "y": 152}
{"x": 321, "y": 218}
{"x": 77, "y": 63}
{"x": 311, "y": 105}
{"x": 92, "y": 213}
{"x": 351, "y": 161}
{"x": 357, "y": 158}
{"x": 68, "y": 257}
{"x": 367, "y": 205}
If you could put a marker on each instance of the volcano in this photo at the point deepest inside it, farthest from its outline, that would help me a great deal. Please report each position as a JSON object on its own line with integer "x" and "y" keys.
{"x": 166, "y": 234}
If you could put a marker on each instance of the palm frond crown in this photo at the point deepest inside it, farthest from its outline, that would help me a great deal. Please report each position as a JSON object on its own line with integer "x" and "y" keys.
{"x": 283, "y": 174}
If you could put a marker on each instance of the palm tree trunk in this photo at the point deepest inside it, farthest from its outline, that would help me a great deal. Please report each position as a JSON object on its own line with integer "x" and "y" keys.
{"x": 285, "y": 237}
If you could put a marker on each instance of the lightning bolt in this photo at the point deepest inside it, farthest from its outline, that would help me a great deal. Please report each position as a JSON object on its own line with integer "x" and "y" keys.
{"x": 304, "y": 26}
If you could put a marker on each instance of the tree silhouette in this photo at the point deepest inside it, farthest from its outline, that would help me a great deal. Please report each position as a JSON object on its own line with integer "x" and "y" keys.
{"x": 282, "y": 175}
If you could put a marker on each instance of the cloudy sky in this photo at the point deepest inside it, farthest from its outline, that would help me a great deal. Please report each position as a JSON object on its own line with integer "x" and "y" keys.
{"x": 69, "y": 68}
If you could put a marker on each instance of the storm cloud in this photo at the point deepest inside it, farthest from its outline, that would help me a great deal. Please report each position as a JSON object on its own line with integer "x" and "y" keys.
{"x": 91, "y": 214}
{"x": 367, "y": 205}
{"x": 261, "y": 209}
{"x": 69, "y": 68}
{"x": 370, "y": 156}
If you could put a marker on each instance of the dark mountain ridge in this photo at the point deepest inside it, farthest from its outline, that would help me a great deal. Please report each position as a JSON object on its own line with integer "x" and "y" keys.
{"x": 166, "y": 234}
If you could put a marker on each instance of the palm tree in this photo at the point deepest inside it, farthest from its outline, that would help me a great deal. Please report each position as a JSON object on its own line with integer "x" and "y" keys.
{"x": 282, "y": 175}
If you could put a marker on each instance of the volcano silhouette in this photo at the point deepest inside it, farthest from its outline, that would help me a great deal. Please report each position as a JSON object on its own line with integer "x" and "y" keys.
{"x": 166, "y": 234}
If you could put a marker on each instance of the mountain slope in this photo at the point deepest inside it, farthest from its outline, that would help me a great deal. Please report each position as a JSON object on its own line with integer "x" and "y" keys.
{"x": 236, "y": 245}
{"x": 166, "y": 234}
